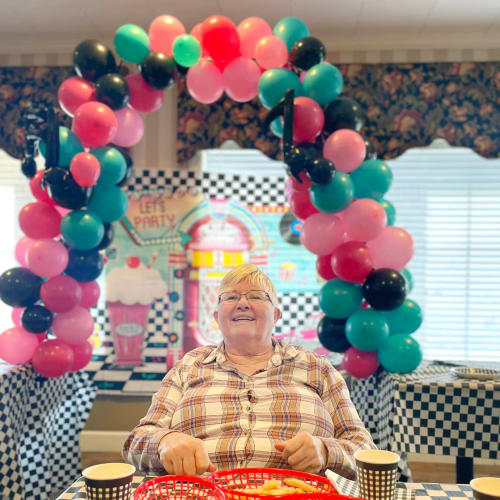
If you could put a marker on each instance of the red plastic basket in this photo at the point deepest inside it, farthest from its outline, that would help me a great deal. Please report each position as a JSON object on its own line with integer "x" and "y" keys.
{"x": 178, "y": 488}
{"x": 230, "y": 480}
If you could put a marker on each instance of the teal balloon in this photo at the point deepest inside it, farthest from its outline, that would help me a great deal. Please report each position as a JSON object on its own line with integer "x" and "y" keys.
{"x": 277, "y": 127}
{"x": 372, "y": 179}
{"x": 405, "y": 319}
{"x": 69, "y": 146}
{"x": 323, "y": 83}
{"x": 390, "y": 211}
{"x": 290, "y": 29}
{"x": 113, "y": 165}
{"x": 400, "y": 354}
{"x": 334, "y": 196}
{"x": 110, "y": 203}
{"x": 82, "y": 229}
{"x": 408, "y": 277}
{"x": 131, "y": 43}
{"x": 339, "y": 299}
{"x": 273, "y": 84}
{"x": 186, "y": 50}
{"x": 367, "y": 329}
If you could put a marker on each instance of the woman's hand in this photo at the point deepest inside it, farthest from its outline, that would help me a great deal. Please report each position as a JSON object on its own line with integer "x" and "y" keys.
{"x": 304, "y": 452}
{"x": 183, "y": 454}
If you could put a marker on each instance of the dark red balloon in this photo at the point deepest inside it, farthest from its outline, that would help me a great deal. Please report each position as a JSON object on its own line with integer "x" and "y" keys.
{"x": 301, "y": 205}
{"x": 351, "y": 261}
{"x": 219, "y": 37}
{"x": 324, "y": 267}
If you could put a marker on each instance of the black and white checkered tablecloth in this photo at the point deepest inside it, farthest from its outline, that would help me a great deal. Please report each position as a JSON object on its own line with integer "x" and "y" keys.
{"x": 40, "y": 424}
{"x": 431, "y": 410}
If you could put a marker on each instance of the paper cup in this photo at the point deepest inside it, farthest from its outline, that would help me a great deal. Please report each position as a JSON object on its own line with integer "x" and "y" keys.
{"x": 109, "y": 481}
{"x": 486, "y": 488}
{"x": 377, "y": 474}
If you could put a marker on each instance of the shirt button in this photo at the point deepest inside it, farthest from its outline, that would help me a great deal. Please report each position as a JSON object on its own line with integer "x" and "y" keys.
{"x": 248, "y": 408}
{"x": 246, "y": 432}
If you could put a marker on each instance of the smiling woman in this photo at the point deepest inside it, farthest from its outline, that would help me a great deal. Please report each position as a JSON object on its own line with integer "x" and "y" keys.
{"x": 251, "y": 401}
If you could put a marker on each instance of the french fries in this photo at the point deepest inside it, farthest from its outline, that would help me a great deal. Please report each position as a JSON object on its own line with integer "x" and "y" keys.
{"x": 274, "y": 487}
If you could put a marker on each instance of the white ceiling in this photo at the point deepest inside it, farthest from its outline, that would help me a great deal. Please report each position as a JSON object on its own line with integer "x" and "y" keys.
{"x": 38, "y": 25}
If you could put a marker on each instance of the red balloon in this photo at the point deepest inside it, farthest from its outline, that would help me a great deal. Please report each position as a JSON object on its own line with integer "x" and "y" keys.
{"x": 220, "y": 38}
{"x": 143, "y": 98}
{"x": 90, "y": 293}
{"x": 82, "y": 354}
{"x": 324, "y": 267}
{"x": 301, "y": 186}
{"x": 85, "y": 169}
{"x": 308, "y": 119}
{"x": 40, "y": 193}
{"x": 39, "y": 220}
{"x": 74, "y": 92}
{"x": 52, "y": 358}
{"x": 95, "y": 124}
{"x": 351, "y": 261}
{"x": 301, "y": 205}
{"x": 61, "y": 293}
{"x": 360, "y": 364}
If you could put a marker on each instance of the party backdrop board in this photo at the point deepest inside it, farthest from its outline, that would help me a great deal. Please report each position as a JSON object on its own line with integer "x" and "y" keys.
{"x": 180, "y": 235}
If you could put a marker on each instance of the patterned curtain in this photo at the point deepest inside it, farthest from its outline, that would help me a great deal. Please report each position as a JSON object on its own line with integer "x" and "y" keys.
{"x": 406, "y": 105}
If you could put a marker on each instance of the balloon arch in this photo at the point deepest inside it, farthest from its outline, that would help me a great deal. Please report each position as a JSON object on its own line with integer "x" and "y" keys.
{"x": 336, "y": 187}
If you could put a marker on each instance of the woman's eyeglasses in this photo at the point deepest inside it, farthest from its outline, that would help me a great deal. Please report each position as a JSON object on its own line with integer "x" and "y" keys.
{"x": 252, "y": 296}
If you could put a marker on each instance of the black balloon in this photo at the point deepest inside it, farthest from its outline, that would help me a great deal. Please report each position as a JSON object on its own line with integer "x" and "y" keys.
{"x": 112, "y": 89}
{"x": 64, "y": 190}
{"x": 109, "y": 234}
{"x": 371, "y": 152}
{"x": 331, "y": 334}
{"x": 182, "y": 70}
{"x": 298, "y": 157}
{"x": 19, "y": 287}
{"x": 343, "y": 112}
{"x": 84, "y": 265}
{"x": 158, "y": 70}
{"x": 385, "y": 289}
{"x": 36, "y": 319}
{"x": 28, "y": 167}
{"x": 320, "y": 171}
{"x": 92, "y": 59}
{"x": 307, "y": 52}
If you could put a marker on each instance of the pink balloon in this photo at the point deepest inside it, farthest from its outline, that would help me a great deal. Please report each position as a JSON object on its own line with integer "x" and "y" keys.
{"x": 82, "y": 354}
{"x": 162, "y": 33}
{"x": 346, "y": 149}
{"x": 241, "y": 79}
{"x": 392, "y": 248}
{"x": 16, "y": 314}
{"x": 39, "y": 220}
{"x": 364, "y": 219}
{"x": 360, "y": 364}
{"x": 73, "y": 327}
{"x": 301, "y": 205}
{"x": 143, "y": 98}
{"x": 74, "y": 92}
{"x": 95, "y": 124}
{"x": 196, "y": 33}
{"x": 251, "y": 31}
{"x": 39, "y": 192}
{"x": 90, "y": 293}
{"x": 351, "y": 261}
{"x": 85, "y": 169}
{"x": 52, "y": 358}
{"x": 204, "y": 82}
{"x": 47, "y": 258}
{"x": 308, "y": 119}
{"x": 321, "y": 233}
{"x": 61, "y": 293}
{"x": 130, "y": 127}
{"x": 271, "y": 52}
{"x": 22, "y": 247}
{"x": 17, "y": 345}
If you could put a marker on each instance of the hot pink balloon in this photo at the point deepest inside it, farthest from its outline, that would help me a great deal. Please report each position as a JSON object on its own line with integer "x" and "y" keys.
{"x": 251, "y": 31}
{"x": 95, "y": 124}
{"x": 52, "y": 358}
{"x": 17, "y": 345}
{"x": 308, "y": 119}
{"x": 85, "y": 169}
{"x": 39, "y": 220}
{"x": 143, "y": 98}
{"x": 196, "y": 33}
{"x": 16, "y": 314}
{"x": 162, "y": 33}
{"x": 392, "y": 248}
{"x": 271, "y": 52}
{"x": 47, "y": 258}
{"x": 82, "y": 354}
{"x": 241, "y": 79}
{"x": 61, "y": 293}
{"x": 346, "y": 149}
{"x": 204, "y": 82}
{"x": 130, "y": 127}
{"x": 73, "y": 327}
{"x": 351, "y": 261}
{"x": 301, "y": 205}
{"x": 360, "y": 364}
{"x": 364, "y": 219}
{"x": 321, "y": 233}
{"x": 39, "y": 192}
{"x": 74, "y": 92}
{"x": 90, "y": 293}
{"x": 22, "y": 247}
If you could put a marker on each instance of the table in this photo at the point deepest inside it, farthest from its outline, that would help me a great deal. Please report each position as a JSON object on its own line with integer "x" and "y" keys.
{"x": 422, "y": 491}
{"x": 40, "y": 423}
{"x": 432, "y": 411}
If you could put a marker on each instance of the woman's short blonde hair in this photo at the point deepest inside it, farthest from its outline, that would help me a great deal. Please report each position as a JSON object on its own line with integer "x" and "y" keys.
{"x": 253, "y": 276}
